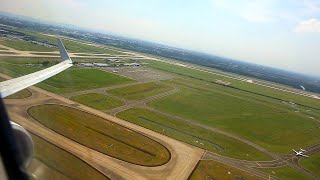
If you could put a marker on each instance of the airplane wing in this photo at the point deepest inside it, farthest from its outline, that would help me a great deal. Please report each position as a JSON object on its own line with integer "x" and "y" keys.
{"x": 17, "y": 84}
{"x": 304, "y": 155}
{"x": 295, "y": 151}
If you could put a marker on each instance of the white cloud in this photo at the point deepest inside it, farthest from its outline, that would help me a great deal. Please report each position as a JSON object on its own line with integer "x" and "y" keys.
{"x": 310, "y": 25}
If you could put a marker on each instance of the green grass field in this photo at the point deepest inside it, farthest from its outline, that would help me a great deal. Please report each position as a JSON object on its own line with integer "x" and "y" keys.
{"x": 83, "y": 59}
{"x": 98, "y": 101}
{"x": 86, "y": 55}
{"x": 39, "y": 60}
{"x": 25, "y": 46}
{"x": 312, "y": 164}
{"x": 71, "y": 46}
{"x": 73, "y": 80}
{"x": 62, "y": 162}
{"x": 16, "y": 70}
{"x": 286, "y": 173}
{"x": 192, "y": 134}
{"x": 4, "y": 52}
{"x": 140, "y": 91}
{"x": 216, "y": 170}
{"x": 101, "y": 135}
{"x": 186, "y": 72}
{"x": 27, "y": 60}
{"x": 273, "y": 125}
{"x": 20, "y": 95}
{"x": 47, "y": 54}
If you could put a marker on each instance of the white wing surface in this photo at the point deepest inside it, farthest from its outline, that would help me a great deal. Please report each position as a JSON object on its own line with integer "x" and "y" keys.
{"x": 17, "y": 84}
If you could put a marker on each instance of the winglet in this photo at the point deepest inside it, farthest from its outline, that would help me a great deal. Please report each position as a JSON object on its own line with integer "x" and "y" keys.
{"x": 63, "y": 52}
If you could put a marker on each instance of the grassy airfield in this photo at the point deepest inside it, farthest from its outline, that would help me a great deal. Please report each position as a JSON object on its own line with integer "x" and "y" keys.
{"x": 271, "y": 125}
{"x": 25, "y": 46}
{"x": 258, "y": 114}
{"x": 75, "y": 79}
{"x": 48, "y": 54}
{"x": 98, "y": 101}
{"x": 20, "y": 95}
{"x": 6, "y": 53}
{"x": 83, "y": 48}
{"x": 286, "y": 172}
{"x": 312, "y": 164}
{"x": 216, "y": 170}
{"x": 109, "y": 138}
{"x": 60, "y": 161}
{"x": 72, "y": 46}
{"x": 140, "y": 91}
{"x": 249, "y": 115}
{"x": 191, "y": 134}
{"x": 238, "y": 85}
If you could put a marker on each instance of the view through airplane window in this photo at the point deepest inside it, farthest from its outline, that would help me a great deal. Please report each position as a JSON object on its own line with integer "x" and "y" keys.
{"x": 160, "y": 89}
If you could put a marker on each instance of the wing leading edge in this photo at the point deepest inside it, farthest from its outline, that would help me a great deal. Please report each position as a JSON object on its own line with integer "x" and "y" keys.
{"x": 17, "y": 84}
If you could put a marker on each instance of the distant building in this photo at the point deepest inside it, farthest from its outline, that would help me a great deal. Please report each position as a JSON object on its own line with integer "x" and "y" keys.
{"x": 94, "y": 64}
{"x": 86, "y": 64}
{"x": 100, "y": 64}
{"x": 113, "y": 60}
{"x": 132, "y": 64}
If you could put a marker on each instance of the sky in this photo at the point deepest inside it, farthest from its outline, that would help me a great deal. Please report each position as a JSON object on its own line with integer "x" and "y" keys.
{"x": 277, "y": 33}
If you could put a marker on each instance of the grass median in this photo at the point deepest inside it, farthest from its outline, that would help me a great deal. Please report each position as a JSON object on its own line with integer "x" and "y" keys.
{"x": 216, "y": 170}
{"x": 312, "y": 164}
{"x": 286, "y": 172}
{"x": 273, "y": 125}
{"x": 98, "y": 101}
{"x": 25, "y": 46}
{"x": 62, "y": 162}
{"x": 239, "y": 85}
{"x": 101, "y": 135}
{"x": 192, "y": 134}
{"x": 140, "y": 91}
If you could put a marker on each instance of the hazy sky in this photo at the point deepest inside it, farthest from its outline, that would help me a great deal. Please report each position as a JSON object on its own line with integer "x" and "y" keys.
{"x": 278, "y": 33}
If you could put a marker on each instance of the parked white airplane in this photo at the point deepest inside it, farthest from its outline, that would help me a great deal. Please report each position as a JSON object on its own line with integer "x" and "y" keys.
{"x": 300, "y": 153}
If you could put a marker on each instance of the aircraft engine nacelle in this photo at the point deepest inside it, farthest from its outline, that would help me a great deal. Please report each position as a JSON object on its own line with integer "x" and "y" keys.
{"x": 24, "y": 142}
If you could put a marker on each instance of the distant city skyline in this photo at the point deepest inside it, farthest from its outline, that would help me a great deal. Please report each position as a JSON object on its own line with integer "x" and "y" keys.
{"x": 279, "y": 33}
